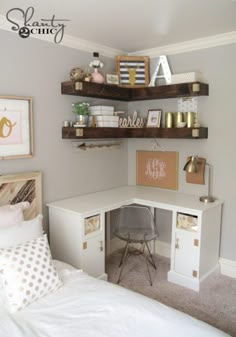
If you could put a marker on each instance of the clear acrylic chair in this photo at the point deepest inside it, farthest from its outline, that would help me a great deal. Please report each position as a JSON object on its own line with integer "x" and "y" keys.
{"x": 136, "y": 226}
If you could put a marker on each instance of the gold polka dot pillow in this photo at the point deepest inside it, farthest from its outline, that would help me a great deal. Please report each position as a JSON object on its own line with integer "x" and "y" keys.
{"x": 27, "y": 273}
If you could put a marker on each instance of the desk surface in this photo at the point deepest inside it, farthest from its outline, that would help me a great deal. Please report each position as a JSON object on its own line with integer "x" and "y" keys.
{"x": 116, "y": 197}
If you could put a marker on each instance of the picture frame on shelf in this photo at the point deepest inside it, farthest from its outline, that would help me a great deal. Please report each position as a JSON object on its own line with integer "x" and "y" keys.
{"x": 154, "y": 118}
{"x": 16, "y": 127}
{"x": 112, "y": 79}
{"x": 133, "y": 71}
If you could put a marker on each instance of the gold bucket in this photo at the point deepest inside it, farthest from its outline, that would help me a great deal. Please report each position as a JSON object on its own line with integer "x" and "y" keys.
{"x": 169, "y": 119}
{"x": 190, "y": 119}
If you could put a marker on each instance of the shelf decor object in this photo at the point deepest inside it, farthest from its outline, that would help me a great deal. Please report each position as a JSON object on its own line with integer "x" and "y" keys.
{"x": 166, "y": 73}
{"x": 96, "y": 64}
{"x": 192, "y": 166}
{"x": 154, "y": 118}
{"x": 133, "y": 71}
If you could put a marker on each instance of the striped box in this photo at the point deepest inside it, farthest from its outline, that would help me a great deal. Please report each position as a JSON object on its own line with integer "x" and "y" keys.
{"x": 133, "y": 70}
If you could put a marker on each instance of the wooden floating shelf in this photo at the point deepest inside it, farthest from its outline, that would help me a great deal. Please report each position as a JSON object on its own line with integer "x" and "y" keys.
{"x": 114, "y": 92}
{"x": 96, "y": 133}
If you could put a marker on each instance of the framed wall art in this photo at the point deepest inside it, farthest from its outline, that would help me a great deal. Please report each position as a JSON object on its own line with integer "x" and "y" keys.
{"x": 133, "y": 71}
{"x": 154, "y": 118}
{"x": 16, "y": 127}
{"x": 112, "y": 79}
{"x": 157, "y": 169}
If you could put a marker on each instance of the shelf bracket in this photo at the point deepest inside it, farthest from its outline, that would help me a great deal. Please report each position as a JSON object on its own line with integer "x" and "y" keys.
{"x": 196, "y": 87}
{"x": 79, "y": 132}
{"x": 78, "y": 86}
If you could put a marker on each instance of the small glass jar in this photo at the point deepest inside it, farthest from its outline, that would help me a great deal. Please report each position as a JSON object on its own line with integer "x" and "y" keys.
{"x": 66, "y": 124}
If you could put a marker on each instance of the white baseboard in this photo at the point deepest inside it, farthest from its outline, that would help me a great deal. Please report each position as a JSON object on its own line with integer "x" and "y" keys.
{"x": 163, "y": 248}
{"x": 182, "y": 280}
{"x": 228, "y": 267}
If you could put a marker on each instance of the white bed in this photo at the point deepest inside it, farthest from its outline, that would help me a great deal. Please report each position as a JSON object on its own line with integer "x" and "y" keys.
{"x": 84, "y": 306}
{"x": 87, "y": 307}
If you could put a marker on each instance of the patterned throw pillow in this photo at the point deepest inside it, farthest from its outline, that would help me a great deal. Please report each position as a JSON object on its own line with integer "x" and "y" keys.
{"x": 28, "y": 273}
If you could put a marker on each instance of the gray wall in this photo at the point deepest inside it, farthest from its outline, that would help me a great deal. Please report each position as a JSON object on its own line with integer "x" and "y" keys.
{"x": 35, "y": 68}
{"x": 218, "y": 113}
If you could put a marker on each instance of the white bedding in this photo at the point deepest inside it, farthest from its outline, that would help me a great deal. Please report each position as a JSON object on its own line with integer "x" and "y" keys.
{"x": 87, "y": 307}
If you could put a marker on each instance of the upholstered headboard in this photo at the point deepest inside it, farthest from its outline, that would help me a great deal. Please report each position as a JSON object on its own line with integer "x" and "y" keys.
{"x": 22, "y": 187}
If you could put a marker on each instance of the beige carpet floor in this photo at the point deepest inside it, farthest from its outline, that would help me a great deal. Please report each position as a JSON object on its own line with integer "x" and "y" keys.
{"x": 214, "y": 304}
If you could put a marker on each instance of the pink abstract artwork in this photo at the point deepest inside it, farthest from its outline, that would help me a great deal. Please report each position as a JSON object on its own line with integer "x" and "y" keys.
{"x": 10, "y": 128}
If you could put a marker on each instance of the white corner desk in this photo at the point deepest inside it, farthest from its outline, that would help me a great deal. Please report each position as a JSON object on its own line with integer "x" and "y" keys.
{"x": 77, "y": 230}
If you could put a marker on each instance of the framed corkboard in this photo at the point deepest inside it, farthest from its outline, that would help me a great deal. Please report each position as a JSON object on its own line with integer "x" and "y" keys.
{"x": 133, "y": 71}
{"x": 157, "y": 169}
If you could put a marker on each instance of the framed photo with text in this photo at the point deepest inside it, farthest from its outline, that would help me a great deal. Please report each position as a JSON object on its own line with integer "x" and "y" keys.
{"x": 154, "y": 118}
{"x": 16, "y": 127}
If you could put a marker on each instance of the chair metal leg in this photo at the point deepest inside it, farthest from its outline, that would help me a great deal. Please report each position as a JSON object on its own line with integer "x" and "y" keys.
{"x": 150, "y": 255}
{"x": 123, "y": 260}
{"x": 147, "y": 265}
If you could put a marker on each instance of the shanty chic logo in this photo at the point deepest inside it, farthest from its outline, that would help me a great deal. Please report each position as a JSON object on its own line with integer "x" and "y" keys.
{"x": 50, "y": 26}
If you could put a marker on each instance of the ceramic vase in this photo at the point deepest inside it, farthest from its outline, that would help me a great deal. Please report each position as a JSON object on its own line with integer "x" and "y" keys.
{"x": 97, "y": 77}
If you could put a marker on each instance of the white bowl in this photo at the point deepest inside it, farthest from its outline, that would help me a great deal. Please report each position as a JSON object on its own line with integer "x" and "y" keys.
{"x": 181, "y": 124}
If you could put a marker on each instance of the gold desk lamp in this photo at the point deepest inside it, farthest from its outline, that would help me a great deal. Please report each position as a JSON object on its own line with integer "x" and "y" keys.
{"x": 192, "y": 167}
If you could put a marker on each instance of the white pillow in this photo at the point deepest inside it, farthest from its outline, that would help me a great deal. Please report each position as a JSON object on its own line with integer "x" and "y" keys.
{"x": 14, "y": 235}
{"x": 28, "y": 273}
{"x": 19, "y": 234}
{"x": 11, "y": 215}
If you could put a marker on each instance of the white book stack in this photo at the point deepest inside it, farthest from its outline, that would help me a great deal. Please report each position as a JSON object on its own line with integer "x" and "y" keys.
{"x": 107, "y": 121}
{"x": 104, "y": 116}
{"x": 188, "y": 77}
{"x": 101, "y": 110}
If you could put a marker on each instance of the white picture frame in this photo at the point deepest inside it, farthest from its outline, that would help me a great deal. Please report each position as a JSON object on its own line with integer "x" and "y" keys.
{"x": 154, "y": 118}
{"x": 112, "y": 79}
